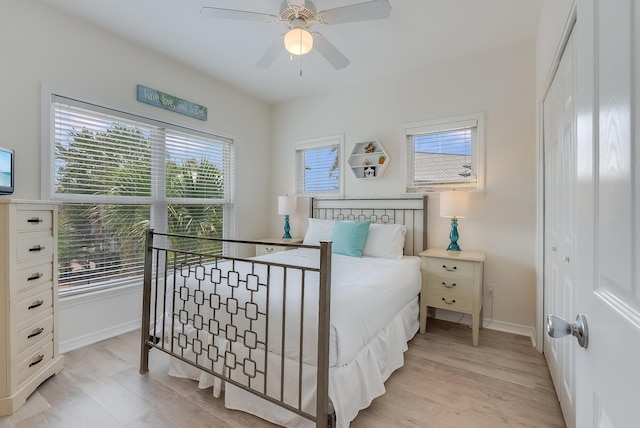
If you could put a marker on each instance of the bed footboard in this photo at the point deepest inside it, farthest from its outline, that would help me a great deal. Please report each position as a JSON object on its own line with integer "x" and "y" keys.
{"x": 260, "y": 326}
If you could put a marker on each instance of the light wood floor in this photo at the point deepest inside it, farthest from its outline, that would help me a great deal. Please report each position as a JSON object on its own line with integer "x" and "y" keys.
{"x": 445, "y": 382}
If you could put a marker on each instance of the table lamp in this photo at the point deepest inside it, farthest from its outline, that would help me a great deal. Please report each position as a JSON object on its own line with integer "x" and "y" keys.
{"x": 454, "y": 205}
{"x": 287, "y": 205}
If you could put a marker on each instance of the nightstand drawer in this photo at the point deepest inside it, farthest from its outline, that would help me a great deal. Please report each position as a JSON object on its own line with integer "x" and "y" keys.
{"x": 450, "y": 267}
{"x": 262, "y": 249}
{"x": 449, "y": 282}
{"x": 445, "y": 299}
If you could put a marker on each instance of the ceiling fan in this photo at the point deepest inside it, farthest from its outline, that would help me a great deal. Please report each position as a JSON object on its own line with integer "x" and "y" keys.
{"x": 298, "y": 16}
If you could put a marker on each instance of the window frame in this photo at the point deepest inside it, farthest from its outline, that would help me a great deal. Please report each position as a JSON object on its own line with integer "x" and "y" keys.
{"x": 158, "y": 201}
{"x": 320, "y": 143}
{"x": 409, "y": 130}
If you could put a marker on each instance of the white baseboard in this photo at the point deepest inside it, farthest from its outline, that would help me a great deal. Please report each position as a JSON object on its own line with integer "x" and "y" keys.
{"x": 506, "y": 327}
{"x": 98, "y": 336}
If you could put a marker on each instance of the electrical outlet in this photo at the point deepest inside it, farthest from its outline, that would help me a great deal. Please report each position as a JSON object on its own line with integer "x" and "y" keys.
{"x": 491, "y": 289}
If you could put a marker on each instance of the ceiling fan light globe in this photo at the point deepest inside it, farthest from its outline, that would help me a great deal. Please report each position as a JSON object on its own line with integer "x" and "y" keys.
{"x": 298, "y": 41}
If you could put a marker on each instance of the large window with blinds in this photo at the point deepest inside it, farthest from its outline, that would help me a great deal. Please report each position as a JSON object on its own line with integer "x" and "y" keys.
{"x": 319, "y": 166}
{"x": 446, "y": 153}
{"x": 118, "y": 174}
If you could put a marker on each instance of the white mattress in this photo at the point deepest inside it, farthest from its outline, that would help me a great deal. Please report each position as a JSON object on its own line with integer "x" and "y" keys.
{"x": 374, "y": 310}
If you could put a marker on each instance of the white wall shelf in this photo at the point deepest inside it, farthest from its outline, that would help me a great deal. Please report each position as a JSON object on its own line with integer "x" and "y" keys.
{"x": 368, "y": 160}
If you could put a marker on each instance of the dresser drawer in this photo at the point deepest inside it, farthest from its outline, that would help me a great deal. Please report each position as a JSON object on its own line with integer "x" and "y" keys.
{"x": 32, "y": 360}
{"x": 32, "y": 247}
{"x": 34, "y": 302}
{"x": 450, "y": 267}
{"x": 34, "y": 332}
{"x": 34, "y": 276}
{"x": 446, "y": 299}
{"x": 449, "y": 282}
{"x": 33, "y": 220}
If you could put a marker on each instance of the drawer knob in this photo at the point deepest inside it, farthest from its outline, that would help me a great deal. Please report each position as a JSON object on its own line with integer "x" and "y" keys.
{"x": 34, "y": 220}
{"x": 448, "y": 285}
{"x": 269, "y": 249}
{"x": 36, "y": 248}
{"x": 35, "y": 276}
{"x": 447, "y": 302}
{"x": 36, "y": 304}
{"x": 448, "y": 269}
{"x": 36, "y": 360}
{"x": 35, "y": 332}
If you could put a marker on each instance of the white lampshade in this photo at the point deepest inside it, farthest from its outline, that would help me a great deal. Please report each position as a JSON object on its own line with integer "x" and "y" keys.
{"x": 298, "y": 41}
{"x": 454, "y": 204}
{"x": 287, "y": 205}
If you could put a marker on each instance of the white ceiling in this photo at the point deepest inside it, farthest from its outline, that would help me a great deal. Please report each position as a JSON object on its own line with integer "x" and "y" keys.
{"x": 418, "y": 33}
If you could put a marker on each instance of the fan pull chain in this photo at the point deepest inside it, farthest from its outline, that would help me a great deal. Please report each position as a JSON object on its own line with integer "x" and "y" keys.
{"x": 300, "y": 65}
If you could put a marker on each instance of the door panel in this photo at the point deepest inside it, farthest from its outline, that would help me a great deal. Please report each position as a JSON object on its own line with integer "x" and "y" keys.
{"x": 559, "y": 289}
{"x": 608, "y": 204}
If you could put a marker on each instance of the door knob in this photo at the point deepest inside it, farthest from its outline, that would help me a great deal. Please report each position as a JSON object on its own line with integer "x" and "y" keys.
{"x": 558, "y": 327}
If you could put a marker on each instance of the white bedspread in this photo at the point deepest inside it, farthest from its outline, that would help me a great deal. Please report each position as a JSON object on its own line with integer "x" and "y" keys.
{"x": 373, "y": 314}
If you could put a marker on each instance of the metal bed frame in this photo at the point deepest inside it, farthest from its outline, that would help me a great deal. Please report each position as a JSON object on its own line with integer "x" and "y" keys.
{"x": 166, "y": 271}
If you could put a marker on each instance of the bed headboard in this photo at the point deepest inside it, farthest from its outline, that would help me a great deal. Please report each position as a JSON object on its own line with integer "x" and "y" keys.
{"x": 411, "y": 212}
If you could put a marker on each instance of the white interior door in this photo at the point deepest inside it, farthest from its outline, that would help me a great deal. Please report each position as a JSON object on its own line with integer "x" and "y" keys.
{"x": 559, "y": 225}
{"x": 608, "y": 208}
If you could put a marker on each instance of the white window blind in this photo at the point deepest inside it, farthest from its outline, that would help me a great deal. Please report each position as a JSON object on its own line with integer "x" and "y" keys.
{"x": 118, "y": 174}
{"x": 444, "y": 154}
{"x": 318, "y": 167}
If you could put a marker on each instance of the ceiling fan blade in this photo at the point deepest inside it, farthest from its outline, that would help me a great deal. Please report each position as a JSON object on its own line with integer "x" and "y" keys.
{"x": 365, "y": 11}
{"x": 242, "y": 15}
{"x": 272, "y": 53}
{"x": 330, "y": 52}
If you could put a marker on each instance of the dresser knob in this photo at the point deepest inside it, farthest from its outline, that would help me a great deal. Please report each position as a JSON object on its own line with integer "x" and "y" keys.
{"x": 448, "y": 285}
{"x": 449, "y": 303}
{"x": 448, "y": 269}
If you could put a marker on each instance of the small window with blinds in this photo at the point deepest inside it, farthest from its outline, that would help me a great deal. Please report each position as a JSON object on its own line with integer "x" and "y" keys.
{"x": 445, "y": 153}
{"x": 117, "y": 174}
{"x": 319, "y": 167}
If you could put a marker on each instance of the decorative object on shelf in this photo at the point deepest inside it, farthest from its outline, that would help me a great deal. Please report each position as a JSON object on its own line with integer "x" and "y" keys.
{"x": 368, "y": 160}
{"x": 286, "y": 206}
{"x": 370, "y": 148}
{"x": 454, "y": 205}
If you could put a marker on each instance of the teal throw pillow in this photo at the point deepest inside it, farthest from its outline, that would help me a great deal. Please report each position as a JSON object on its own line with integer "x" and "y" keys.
{"x": 349, "y": 237}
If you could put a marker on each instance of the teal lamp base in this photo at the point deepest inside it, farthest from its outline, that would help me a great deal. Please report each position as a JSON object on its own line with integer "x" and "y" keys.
{"x": 453, "y": 236}
{"x": 287, "y": 228}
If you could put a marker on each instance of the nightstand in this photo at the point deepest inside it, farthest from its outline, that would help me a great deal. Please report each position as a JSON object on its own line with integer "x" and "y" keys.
{"x": 270, "y": 245}
{"x": 452, "y": 280}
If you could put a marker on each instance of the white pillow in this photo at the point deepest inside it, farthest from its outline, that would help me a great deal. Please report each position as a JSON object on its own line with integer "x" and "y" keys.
{"x": 385, "y": 241}
{"x": 318, "y": 230}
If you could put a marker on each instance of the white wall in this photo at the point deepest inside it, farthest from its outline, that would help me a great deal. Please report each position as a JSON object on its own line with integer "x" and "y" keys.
{"x": 40, "y": 46}
{"x": 502, "y": 221}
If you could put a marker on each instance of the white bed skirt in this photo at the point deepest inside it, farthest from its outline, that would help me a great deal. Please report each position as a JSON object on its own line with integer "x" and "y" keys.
{"x": 352, "y": 386}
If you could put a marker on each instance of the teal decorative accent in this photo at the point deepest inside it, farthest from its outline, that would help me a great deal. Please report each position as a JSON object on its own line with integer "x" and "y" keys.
{"x": 169, "y": 102}
{"x": 287, "y": 228}
{"x": 453, "y": 236}
{"x": 349, "y": 237}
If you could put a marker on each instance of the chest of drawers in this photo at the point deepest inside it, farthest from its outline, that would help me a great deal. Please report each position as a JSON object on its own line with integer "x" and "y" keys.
{"x": 28, "y": 300}
{"x": 452, "y": 280}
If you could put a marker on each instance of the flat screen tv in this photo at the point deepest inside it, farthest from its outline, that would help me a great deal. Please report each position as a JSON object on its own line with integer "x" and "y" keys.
{"x": 7, "y": 170}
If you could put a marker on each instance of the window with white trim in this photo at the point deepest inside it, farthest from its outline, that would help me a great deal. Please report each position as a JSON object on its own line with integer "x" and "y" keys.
{"x": 446, "y": 153}
{"x": 319, "y": 166}
{"x": 116, "y": 175}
